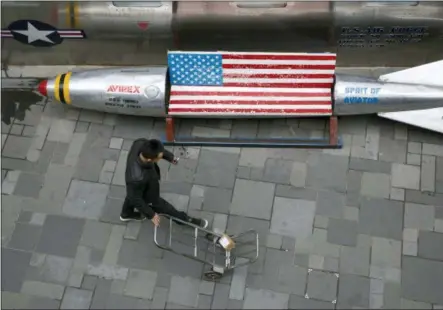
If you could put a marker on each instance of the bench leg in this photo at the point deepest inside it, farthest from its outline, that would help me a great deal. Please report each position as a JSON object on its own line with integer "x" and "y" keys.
{"x": 170, "y": 130}
{"x": 333, "y": 130}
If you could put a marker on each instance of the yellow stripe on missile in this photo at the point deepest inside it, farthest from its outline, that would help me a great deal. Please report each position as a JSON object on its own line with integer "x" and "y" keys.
{"x": 57, "y": 88}
{"x": 72, "y": 14}
{"x": 66, "y": 93}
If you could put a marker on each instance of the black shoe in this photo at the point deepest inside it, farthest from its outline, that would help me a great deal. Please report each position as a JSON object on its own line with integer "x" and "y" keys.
{"x": 136, "y": 216}
{"x": 199, "y": 222}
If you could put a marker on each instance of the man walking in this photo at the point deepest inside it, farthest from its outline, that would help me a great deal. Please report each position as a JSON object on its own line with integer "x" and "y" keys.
{"x": 143, "y": 185}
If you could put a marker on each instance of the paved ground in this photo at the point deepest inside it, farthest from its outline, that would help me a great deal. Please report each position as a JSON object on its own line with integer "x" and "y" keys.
{"x": 353, "y": 228}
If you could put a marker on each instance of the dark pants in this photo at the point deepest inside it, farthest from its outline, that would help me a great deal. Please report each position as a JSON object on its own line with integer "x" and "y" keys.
{"x": 163, "y": 207}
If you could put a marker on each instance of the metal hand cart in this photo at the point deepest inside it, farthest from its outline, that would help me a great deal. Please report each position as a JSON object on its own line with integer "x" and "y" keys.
{"x": 203, "y": 245}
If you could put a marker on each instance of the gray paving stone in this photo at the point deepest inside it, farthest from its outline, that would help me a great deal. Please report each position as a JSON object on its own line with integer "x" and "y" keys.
{"x": 252, "y": 199}
{"x": 61, "y": 130}
{"x": 101, "y": 294}
{"x": 392, "y": 150}
{"x": 85, "y": 199}
{"x": 141, "y": 283}
{"x": 217, "y": 200}
{"x": 414, "y": 147}
{"x": 184, "y": 291}
{"x": 125, "y": 127}
{"x": 42, "y": 289}
{"x": 89, "y": 162}
{"x": 353, "y": 291}
{"x": 322, "y": 286}
{"x": 277, "y": 171}
{"x": 221, "y": 296}
{"x": 330, "y": 204}
{"x": 114, "y": 245}
{"x": 426, "y": 272}
{"x": 159, "y": 299}
{"x": 132, "y": 230}
{"x": 14, "y": 264}
{"x": 89, "y": 282}
{"x": 355, "y": 260}
{"x": 180, "y": 202}
{"x": 81, "y": 127}
{"x": 368, "y": 165}
{"x": 411, "y": 304}
{"x": 375, "y": 185}
{"x": 386, "y": 253}
{"x": 16, "y": 147}
{"x": 298, "y": 302}
{"x": 206, "y": 287}
{"x": 327, "y": 172}
{"x": 428, "y": 173}
{"x": 216, "y": 169}
{"x": 239, "y": 224}
{"x": 430, "y": 245}
{"x": 110, "y": 272}
{"x": 410, "y": 248}
{"x": 29, "y": 185}
{"x": 25, "y": 237}
{"x": 265, "y": 299}
{"x": 295, "y": 193}
{"x": 298, "y": 174}
{"x": 96, "y": 235}
{"x": 292, "y": 217}
{"x": 405, "y": 176}
{"x": 382, "y": 218}
{"x": 118, "y": 287}
{"x": 321, "y": 221}
{"x": 60, "y": 236}
{"x": 418, "y": 216}
{"x": 111, "y": 211}
{"x": 238, "y": 283}
{"x": 413, "y": 159}
{"x": 16, "y": 130}
{"x": 76, "y": 299}
{"x": 317, "y": 244}
{"x": 54, "y": 270}
{"x": 126, "y": 302}
{"x": 141, "y": 253}
{"x": 91, "y": 116}
{"x": 432, "y": 149}
{"x": 342, "y": 232}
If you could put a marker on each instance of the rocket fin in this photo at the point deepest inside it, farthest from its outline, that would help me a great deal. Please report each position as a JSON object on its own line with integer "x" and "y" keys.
{"x": 427, "y": 74}
{"x": 431, "y": 119}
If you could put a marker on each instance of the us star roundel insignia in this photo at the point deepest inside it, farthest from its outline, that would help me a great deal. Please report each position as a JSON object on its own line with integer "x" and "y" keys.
{"x": 39, "y": 34}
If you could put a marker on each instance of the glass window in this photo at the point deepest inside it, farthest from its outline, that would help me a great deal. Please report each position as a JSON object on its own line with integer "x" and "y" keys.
{"x": 392, "y": 3}
{"x": 261, "y": 5}
{"x": 137, "y": 4}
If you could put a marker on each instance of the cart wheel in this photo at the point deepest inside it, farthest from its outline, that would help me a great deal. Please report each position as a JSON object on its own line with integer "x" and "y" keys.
{"x": 213, "y": 275}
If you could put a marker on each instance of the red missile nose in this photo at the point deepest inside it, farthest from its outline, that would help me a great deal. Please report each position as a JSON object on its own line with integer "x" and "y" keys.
{"x": 42, "y": 88}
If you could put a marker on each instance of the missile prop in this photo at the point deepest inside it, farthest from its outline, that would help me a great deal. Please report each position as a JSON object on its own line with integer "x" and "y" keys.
{"x": 146, "y": 91}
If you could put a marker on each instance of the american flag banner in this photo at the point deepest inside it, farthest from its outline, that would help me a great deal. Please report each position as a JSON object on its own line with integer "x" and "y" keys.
{"x": 248, "y": 83}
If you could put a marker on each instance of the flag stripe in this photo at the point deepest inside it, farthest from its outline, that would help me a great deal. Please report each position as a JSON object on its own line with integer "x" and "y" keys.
{"x": 217, "y": 83}
{"x": 247, "y": 102}
{"x": 302, "y": 57}
{"x": 253, "y": 75}
{"x": 279, "y": 66}
{"x": 249, "y": 111}
{"x": 283, "y": 85}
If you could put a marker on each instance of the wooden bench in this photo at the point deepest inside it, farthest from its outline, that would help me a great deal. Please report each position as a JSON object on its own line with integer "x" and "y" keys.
{"x": 287, "y": 86}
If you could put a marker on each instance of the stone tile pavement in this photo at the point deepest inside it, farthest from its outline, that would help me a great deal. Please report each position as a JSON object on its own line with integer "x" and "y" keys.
{"x": 360, "y": 227}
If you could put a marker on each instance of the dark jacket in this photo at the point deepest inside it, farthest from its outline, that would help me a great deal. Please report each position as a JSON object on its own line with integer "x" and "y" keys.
{"x": 143, "y": 180}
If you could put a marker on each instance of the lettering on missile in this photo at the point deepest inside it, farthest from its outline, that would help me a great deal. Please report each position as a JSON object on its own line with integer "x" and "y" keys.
{"x": 361, "y": 95}
{"x": 123, "y": 89}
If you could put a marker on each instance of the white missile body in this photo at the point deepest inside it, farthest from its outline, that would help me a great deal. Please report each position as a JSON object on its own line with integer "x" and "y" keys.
{"x": 413, "y": 96}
